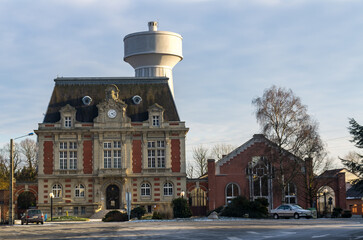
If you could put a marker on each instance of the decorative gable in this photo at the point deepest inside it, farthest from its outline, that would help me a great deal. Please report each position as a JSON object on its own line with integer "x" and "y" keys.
{"x": 156, "y": 115}
{"x": 67, "y": 116}
{"x": 112, "y": 109}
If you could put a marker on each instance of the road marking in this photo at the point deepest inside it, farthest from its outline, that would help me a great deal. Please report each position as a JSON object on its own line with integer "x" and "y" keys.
{"x": 234, "y": 238}
{"x": 288, "y": 233}
{"x": 320, "y": 236}
{"x": 252, "y": 232}
{"x": 359, "y": 237}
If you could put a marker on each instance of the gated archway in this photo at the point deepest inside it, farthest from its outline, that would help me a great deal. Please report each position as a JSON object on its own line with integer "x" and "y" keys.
{"x": 198, "y": 202}
{"x": 112, "y": 197}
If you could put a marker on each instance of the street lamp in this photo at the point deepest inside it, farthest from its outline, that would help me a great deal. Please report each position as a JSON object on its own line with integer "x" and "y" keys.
{"x": 51, "y": 196}
{"x": 325, "y": 208}
{"x": 182, "y": 194}
{"x": 11, "y": 188}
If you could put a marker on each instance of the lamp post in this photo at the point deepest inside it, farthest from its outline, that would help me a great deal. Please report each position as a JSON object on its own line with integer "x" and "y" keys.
{"x": 325, "y": 208}
{"x": 51, "y": 196}
{"x": 182, "y": 194}
{"x": 11, "y": 188}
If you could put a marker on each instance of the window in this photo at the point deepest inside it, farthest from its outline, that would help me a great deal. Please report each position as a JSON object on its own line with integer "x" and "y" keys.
{"x": 156, "y": 121}
{"x": 67, "y": 154}
{"x": 75, "y": 210}
{"x": 79, "y": 191}
{"x": 232, "y": 191}
{"x": 57, "y": 190}
{"x": 112, "y": 154}
{"x": 145, "y": 189}
{"x": 83, "y": 210}
{"x": 67, "y": 122}
{"x": 290, "y": 193}
{"x": 60, "y": 211}
{"x": 168, "y": 189}
{"x": 156, "y": 154}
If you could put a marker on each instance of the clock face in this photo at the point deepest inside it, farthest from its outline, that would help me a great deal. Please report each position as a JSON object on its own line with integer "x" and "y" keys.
{"x": 111, "y": 113}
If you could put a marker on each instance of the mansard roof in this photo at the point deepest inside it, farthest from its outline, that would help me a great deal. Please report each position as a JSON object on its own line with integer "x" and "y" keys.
{"x": 255, "y": 139}
{"x": 72, "y": 90}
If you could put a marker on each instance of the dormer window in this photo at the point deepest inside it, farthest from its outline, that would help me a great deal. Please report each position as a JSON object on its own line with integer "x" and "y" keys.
{"x": 156, "y": 121}
{"x": 67, "y": 122}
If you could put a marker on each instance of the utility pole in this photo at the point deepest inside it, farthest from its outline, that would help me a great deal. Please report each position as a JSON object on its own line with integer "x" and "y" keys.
{"x": 11, "y": 197}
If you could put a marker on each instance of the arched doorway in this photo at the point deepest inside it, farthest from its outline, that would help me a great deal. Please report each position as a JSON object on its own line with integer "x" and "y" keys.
{"x": 198, "y": 202}
{"x": 326, "y": 200}
{"x": 25, "y": 201}
{"x": 112, "y": 197}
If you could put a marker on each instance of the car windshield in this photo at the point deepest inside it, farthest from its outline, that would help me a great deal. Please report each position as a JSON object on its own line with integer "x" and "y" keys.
{"x": 34, "y": 212}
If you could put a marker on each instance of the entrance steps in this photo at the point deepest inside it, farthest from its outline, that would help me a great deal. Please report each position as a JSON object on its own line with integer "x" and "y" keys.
{"x": 100, "y": 214}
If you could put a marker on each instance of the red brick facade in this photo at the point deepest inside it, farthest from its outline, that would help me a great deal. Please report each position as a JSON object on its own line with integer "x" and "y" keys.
{"x": 175, "y": 155}
{"x": 87, "y": 157}
{"x": 48, "y": 157}
{"x": 136, "y": 156}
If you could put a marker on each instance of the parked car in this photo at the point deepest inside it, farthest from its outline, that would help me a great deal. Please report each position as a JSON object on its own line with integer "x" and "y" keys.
{"x": 290, "y": 210}
{"x": 32, "y": 216}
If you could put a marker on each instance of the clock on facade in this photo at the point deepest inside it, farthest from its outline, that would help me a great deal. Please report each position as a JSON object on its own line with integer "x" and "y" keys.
{"x": 111, "y": 113}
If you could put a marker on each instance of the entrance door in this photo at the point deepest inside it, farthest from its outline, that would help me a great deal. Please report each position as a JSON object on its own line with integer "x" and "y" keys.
{"x": 112, "y": 197}
{"x": 198, "y": 202}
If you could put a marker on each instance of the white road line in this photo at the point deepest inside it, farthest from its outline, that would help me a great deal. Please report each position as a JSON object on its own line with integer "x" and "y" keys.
{"x": 288, "y": 233}
{"x": 252, "y": 232}
{"x": 234, "y": 238}
{"x": 320, "y": 236}
{"x": 360, "y": 237}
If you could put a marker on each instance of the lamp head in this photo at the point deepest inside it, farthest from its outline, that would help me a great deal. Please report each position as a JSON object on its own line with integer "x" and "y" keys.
{"x": 51, "y": 195}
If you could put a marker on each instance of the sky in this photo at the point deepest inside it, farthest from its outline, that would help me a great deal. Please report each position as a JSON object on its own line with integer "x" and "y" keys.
{"x": 233, "y": 50}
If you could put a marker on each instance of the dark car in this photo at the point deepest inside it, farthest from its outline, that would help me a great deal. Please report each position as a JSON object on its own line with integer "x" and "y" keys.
{"x": 32, "y": 216}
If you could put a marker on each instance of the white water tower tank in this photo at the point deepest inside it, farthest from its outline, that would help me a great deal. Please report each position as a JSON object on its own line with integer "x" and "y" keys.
{"x": 153, "y": 53}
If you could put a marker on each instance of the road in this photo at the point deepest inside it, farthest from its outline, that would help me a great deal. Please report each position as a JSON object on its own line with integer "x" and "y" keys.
{"x": 193, "y": 229}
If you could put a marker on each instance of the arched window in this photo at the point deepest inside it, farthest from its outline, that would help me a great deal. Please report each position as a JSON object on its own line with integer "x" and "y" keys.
{"x": 168, "y": 189}
{"x": 145, "y": 189}
{"x": 79, "y": 191}
{"x": 232, "y": 191}
{"x": 290, "y": 193}
{"x": 57, "y": 190}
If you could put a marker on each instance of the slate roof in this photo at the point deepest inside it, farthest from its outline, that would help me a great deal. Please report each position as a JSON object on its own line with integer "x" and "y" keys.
{"x": 72, "y": 90}
{"x": 355, "y": 192}
{"x": 332, "y": 172}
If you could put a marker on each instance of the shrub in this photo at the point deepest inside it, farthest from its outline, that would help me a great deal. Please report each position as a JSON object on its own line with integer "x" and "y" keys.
{"x": 181, "y": 208}
{"x": 347, "y": 214}
{"x": 115, "y": 216}
{"x": 157, "y": 215}
{"x": 336, "y": 212}
{"x": 241, "y": 206}
{"x": 138, "y": 212}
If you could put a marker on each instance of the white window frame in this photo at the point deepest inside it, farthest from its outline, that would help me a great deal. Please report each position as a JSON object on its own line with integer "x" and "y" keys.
{"x": 67, "y": 121}
{"x": 79, "y": 191}
{"x": 168, "y": 189}
{"x": 290, "y": 195}
{"x": 57, "y": 190}
{"x": 67, "y": 155}
{"x": 155, "y": 120}
{"x": 233, "y": 185}
{"x": 156, "y": 154}
{"x": 145, "y": 190}
{"x": 112, "y": 154}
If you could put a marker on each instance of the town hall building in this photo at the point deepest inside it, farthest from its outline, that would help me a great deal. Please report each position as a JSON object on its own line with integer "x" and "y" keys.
{"x": 103, "y": 137}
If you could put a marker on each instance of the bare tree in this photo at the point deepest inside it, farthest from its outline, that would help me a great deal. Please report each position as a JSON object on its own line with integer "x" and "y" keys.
{"x": 5, "y": 152}
{"x": 284, "y": 120}
{"x": 219, "y": 150}
{"x": 4, "y": 173}
{"x": 190, "y": 170}
{"x": 29, "y": 149}
{"x": 200, "y": 156}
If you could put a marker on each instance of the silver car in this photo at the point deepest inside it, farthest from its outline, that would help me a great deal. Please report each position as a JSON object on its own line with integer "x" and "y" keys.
{"x": 290, "y": 210}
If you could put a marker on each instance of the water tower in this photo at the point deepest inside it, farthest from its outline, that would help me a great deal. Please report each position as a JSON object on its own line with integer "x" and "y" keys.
{"x": 153, "y": 53}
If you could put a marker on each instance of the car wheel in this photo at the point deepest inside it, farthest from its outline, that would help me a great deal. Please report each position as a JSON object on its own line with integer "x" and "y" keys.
{"x": 276, "y": 216}
{"x": 296, "y": 216}
{"x": 22, "y": 223}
